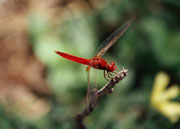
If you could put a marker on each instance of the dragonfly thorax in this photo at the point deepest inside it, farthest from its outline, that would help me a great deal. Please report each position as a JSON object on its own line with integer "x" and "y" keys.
{"x": 100, "y": 63}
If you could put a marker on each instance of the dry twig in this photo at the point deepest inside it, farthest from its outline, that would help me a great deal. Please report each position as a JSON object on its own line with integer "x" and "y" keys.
{"x": 108, "y": 88}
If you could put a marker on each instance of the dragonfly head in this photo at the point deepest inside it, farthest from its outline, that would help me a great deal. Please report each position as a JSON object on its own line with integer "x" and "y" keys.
{"x": 111, "y": 67}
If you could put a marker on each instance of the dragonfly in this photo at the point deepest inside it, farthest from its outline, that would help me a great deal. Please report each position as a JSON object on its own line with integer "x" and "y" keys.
{"x": 98, "y": 63}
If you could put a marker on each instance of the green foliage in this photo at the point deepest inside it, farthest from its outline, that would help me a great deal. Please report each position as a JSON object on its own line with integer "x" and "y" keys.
{"x": 151, "y": 44}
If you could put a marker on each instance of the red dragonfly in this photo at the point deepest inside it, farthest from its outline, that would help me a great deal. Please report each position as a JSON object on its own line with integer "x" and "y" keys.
{"x": 97, "y": 62}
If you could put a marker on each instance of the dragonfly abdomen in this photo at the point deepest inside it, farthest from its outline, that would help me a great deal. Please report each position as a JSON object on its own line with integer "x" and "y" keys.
{"x": 74, "y": 58}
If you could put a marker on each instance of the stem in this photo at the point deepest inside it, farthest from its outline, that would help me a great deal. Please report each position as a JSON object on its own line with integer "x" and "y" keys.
{"x": 107, "y": 89}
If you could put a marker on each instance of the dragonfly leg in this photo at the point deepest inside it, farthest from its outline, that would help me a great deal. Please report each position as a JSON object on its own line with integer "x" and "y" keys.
{"x": 105, "y": 76}
{"x": 109, "y": 75}
{"x": 114, "y": 72}
{"x": 117, "y": 69}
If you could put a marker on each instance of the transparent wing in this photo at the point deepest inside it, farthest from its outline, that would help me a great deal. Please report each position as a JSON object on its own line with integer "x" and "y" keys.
{"x": 106, "y": 44}
{"x": 88, "y": 88}
{"x": 91, "y": 97}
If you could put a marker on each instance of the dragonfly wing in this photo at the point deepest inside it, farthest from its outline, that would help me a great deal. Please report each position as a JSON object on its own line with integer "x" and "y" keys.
{"x": 88, "y": 92}
{"x": 107, "y": 43}
{"x": 91, "y": 97}
{"x": 93, "y": 89}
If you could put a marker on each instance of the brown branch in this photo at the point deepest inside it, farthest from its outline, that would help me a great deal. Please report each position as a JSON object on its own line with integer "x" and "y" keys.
{"x": 107, "y": 89}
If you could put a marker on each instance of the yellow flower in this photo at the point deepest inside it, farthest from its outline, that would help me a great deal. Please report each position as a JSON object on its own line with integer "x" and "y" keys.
{"x": 160, "y": 97}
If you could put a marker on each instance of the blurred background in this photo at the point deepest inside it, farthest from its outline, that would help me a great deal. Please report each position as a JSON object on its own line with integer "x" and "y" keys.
{"x": 40, "y": 89}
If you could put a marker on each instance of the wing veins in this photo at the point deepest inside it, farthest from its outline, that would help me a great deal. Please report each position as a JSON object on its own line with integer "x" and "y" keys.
{"x": 107, "y": 43}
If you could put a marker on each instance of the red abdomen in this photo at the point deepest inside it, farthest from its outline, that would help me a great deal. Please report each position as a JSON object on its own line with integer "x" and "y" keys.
{"x": 74, "y": 58}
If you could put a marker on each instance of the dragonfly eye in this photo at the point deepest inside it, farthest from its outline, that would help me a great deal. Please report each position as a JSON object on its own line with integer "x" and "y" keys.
{"x": 114, "y": 68}
{"x": 112, "y": 64}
